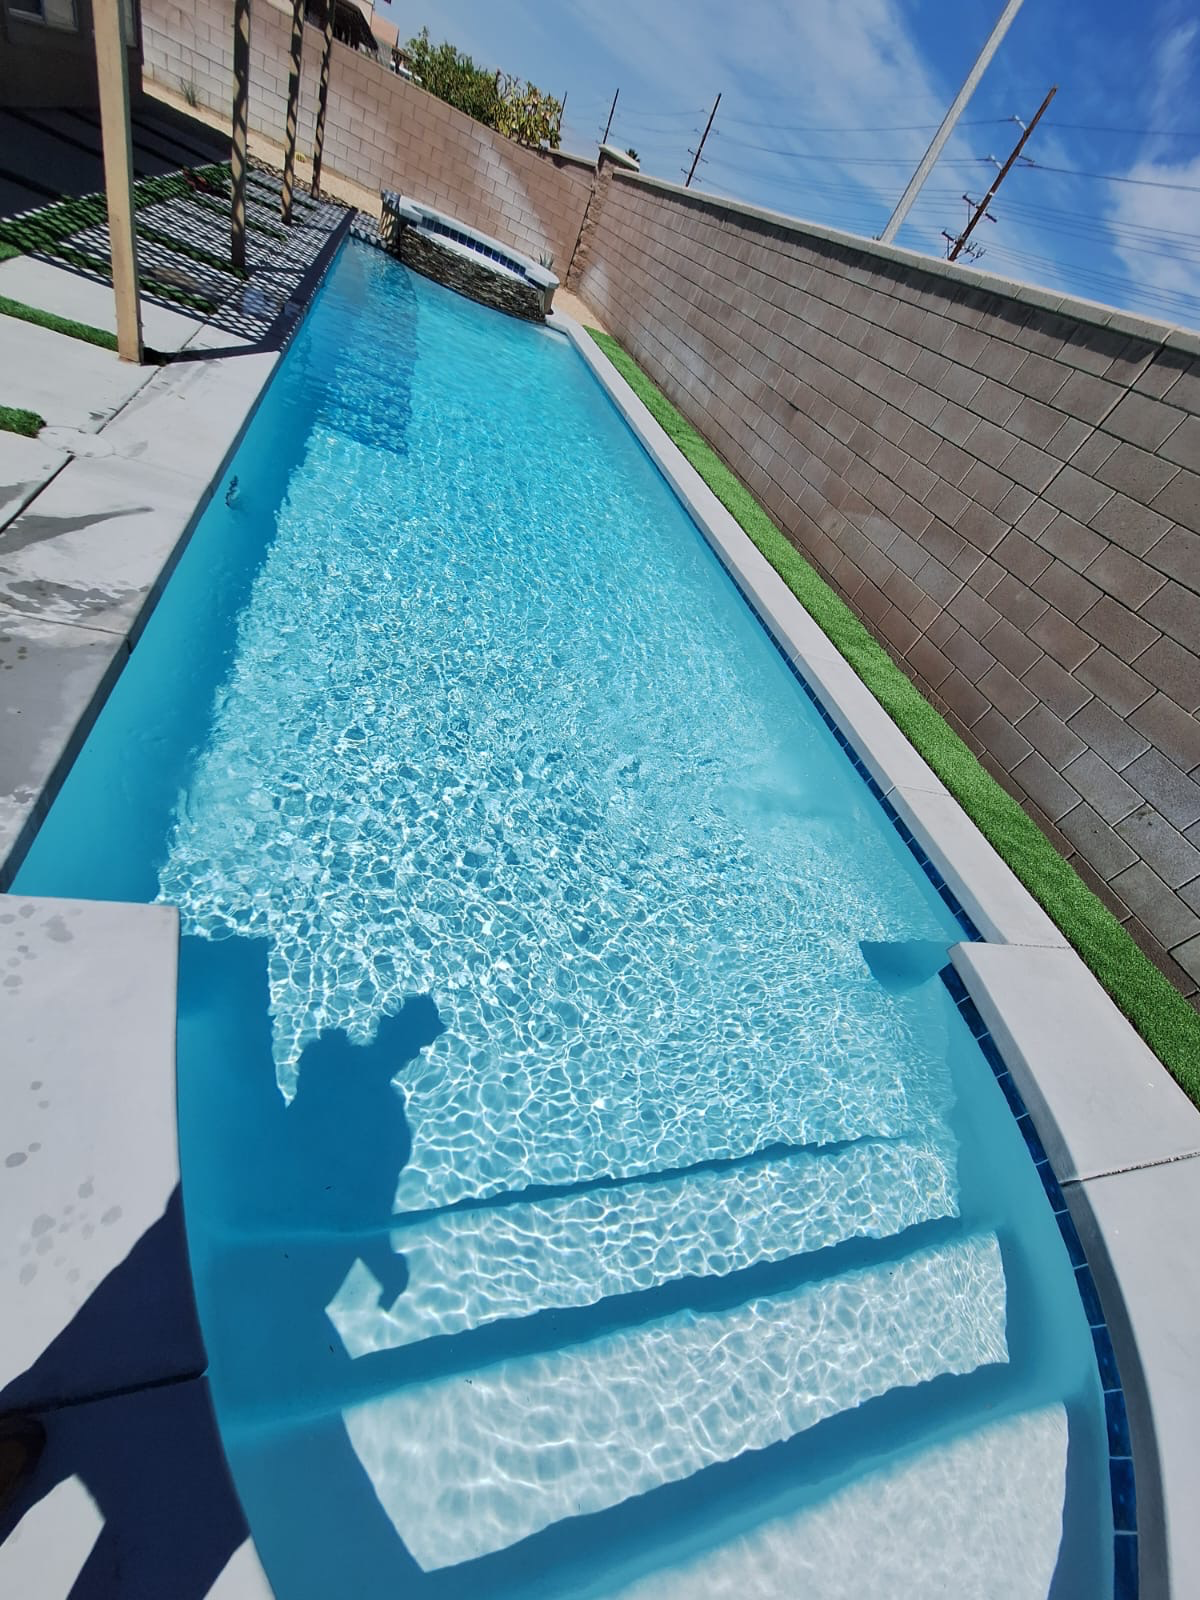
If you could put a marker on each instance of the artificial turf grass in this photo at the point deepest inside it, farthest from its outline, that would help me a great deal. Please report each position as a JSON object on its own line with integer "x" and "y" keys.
{"x": 1160, "y": 1013}
{"x": 14, "y": 419}
{"x": 56, "y": 324}
{"x": 47, "y": 230}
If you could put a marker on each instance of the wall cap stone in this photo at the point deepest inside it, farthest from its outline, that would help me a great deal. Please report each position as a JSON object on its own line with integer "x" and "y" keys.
{"x": 1089, "y": 311}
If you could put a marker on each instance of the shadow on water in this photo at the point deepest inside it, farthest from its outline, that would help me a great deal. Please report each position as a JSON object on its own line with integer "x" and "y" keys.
{"x": 302, "y": 1192}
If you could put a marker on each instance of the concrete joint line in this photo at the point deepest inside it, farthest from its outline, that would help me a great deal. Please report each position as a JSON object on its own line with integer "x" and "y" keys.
{"x": 1136, "y": 1166}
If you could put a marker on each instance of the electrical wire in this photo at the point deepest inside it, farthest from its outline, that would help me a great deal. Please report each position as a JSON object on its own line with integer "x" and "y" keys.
{"x": 1109, "y": 177}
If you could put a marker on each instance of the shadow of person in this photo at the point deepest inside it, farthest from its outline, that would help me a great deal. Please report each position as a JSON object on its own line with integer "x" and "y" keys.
{"x": 283, "y": 1199}
{"x": 150, "y": 1459}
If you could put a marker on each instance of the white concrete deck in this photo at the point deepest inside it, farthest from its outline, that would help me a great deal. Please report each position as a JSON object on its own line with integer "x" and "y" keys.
{"x": 99, "y": 1338}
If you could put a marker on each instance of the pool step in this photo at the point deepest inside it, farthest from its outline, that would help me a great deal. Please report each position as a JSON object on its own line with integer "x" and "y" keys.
{"x": 467, "y": 1465}
{"x": 478, "y": 1265}
{"x": 979, "y": 1517}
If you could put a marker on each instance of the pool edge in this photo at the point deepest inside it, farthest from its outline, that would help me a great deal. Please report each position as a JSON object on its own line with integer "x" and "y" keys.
{"x": 1070, "y": 1091}
{"x": 221, "y": 394}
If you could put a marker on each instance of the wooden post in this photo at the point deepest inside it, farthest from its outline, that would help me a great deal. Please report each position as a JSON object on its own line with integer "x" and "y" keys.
{"x": 293, "y": 110}
{"x": 112, "y": 70}
{"x": 241, "y": 128}
{"x": 322, "y": 100}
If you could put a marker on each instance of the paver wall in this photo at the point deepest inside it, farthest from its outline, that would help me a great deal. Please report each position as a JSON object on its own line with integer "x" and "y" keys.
{"x": 1006, "y": 491}
{"x": 380, "y": 131}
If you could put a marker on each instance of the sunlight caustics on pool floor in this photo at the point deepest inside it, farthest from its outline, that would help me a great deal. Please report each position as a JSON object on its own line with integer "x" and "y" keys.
{"x": 591, "y": 1187}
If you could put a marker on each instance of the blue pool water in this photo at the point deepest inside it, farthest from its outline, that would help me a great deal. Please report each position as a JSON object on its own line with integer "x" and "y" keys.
{"x": 591, "y": 1186}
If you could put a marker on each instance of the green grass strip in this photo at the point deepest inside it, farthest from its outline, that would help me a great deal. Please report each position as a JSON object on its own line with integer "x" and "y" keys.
{"x": 8, "y": 251}
{"x": 13, "y": 419}
{"x": 56, "y": 324}
{"x": 1157, "y": 1010}
{"x": 50, "y": 227}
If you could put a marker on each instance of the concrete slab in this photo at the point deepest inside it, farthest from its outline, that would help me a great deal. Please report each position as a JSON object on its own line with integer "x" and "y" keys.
{"x": 52, "y": 676}
{"x": 70, "y": 294}
{"x": 188, "y": 418}
{"x": 134, "y": 1494}
{"x": 94, "y": 1275}
{"x": 25, "y": 466}
{"x": 67, "y": 382}
{"x": 1097, "y": 1093}
{"x": 989, "y": 891}
{"x": 91, "y": 548}
{"x": 1136, "y": 1228}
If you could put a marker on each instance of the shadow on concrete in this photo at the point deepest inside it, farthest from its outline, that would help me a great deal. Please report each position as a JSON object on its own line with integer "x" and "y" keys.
{"x": 150, "y": 1458}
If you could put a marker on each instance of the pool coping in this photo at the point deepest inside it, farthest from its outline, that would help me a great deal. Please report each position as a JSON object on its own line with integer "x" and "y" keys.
{"x": 1121, "y": 1137}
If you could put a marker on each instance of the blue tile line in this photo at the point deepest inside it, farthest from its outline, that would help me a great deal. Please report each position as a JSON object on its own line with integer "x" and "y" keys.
{"x": 473, "y": 244}
{"x": 1116, "y": 1417}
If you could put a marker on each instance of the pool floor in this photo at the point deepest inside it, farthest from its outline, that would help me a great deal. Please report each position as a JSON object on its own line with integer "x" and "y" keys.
{"x": 591, "y": 1186}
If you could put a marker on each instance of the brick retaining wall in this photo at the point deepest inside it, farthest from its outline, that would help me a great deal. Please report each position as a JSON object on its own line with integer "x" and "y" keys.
{"x": 380, "y": 131}
{"x": 1004, "y": 485}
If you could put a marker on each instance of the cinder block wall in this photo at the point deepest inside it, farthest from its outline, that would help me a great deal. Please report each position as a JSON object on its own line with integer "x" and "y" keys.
{"x": 1004, "y": 485}
{"x": 380, "y": 131}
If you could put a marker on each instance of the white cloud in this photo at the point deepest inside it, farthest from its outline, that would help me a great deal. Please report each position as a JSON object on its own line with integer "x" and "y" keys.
{"x": 1143, "y": 220}
{"x": 1152, "y": 259}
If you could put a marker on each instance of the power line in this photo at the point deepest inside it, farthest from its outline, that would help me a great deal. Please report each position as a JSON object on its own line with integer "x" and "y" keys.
{"x": 1111, "y": 177}
{"x": 1142, "y": 133}
{"x": 892, "y": 127}
{"x": 1105, "y": 280}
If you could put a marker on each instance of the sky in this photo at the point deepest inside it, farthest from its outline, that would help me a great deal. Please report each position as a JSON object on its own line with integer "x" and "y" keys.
{"x": 827, "y": 105}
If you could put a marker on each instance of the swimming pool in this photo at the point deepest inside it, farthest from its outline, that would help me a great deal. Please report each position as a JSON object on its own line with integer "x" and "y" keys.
{"x": 592, "y": 1188}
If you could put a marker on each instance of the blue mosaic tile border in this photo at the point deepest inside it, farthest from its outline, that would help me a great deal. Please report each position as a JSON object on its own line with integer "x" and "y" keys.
{"x": 430, "y": 225}
{"x": 1120, "y": 1450}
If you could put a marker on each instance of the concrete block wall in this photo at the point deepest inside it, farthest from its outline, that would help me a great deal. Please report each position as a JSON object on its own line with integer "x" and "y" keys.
{"x": 1005, "y": 485}
{"x": 380, "y": 131}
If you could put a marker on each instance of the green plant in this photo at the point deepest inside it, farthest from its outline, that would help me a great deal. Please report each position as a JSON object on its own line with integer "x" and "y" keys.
{"x": 1161, "y": 1015}
{"x": 632, "y": 154}
{"x": 517, "y": 109}
{"x": 13, "y": 419}
{"x": 190, "y": 92}
{"x": 527, "y": 115}
{"x": 452, "y": 76}
{"x": 56, "y": 324}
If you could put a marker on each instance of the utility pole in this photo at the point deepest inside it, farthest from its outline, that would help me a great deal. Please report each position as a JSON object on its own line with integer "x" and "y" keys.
{"x": 293, "y": 110}
{"x": 1001, "y": 175}
{"x": 112, "y": 71}
{"x": 608, "y": 124}
{"x": 700, "y": 146}
{"x": 241, "y": 113}
{"x": 918, "y": 178}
